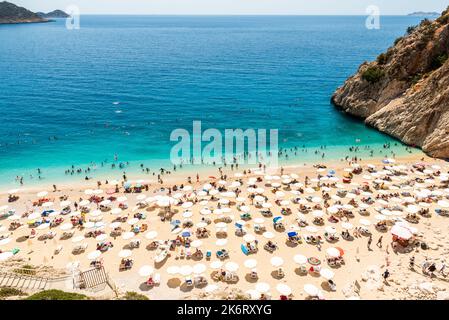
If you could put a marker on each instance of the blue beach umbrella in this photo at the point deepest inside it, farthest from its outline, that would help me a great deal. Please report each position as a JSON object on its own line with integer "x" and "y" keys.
{"x": 185, "y": 234}
{"x": 238, "y": 225}
{"x": 276, "y": 219}
{"x": 292, "y": 234}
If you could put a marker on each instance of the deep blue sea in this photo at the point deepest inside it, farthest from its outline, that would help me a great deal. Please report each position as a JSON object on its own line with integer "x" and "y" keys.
{"x": 57, "y": 86}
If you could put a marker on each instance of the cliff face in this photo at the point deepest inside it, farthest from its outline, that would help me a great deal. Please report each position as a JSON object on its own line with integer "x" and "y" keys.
{"x": 405, "y": 92}
{"x": 10, "y": 13}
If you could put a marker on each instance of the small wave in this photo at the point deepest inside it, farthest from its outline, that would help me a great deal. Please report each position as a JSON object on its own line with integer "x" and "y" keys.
{"x": 118, "y": 111}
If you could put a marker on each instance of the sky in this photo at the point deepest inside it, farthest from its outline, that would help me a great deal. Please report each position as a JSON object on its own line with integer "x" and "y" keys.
{"x": 293, "y": 7}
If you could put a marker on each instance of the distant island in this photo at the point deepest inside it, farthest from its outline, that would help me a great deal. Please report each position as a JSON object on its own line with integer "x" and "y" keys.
{"x": 12, "y": 14}
{"x": 53, "y": 15}
{"x": 423, "y": 14}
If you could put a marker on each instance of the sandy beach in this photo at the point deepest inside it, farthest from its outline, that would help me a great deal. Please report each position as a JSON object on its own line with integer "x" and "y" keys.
{"x": 336, "y": 199}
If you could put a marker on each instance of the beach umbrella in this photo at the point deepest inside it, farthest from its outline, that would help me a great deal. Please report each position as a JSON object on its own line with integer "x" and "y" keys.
{"x": 311, "y": 229}
{"x": 347, "y": 225}
{"x": 380, "y": 217}
{"x": 333, "y": 252}
{"x": 125, "y": 253}
{"x": 231, "y": 266}
{"x": 284, "y": 289}
{"x": 300, "y": 259}
{"x": 221, "y": 242}
{"x": 262, "y": 287}
{"x": 249, "y": 238}
{"x": 268, "y": 235}
{"x": 254, "y": 295}
{"x": 221, "y": 225}
{"x": 216, "y": 264}
{"x": 84, "y": 203}
{"x": 116, "y": 211}
{"x": 311, "y": 290}
{"x": 5, "y": 241}
{"x": 43, "y": 226}
{"x": 187, "y": 205}
{"x": 5, "y": 255}
{"x": 185, "y": 270}
{"x": 128, "y": 235}
{"x": 94, "y": 255}
{"x": 96, "y": 213}
{"x": 330, "y": 229}
{"x": 443, "y": 204}
{"x": 365, "y": 222}
{"x": 132, "y": 221}
{"x": 327, "y": 273}
{"x": 267, "y": 205}
{"x": 78, "y": 239}
{"x": 196, "y": 243}
{"x": 401, "y": 232}
{"x": 114, "y": 225}
{"x": 250, "y": 263}
{"x": 187, "y": 214}
{"x": 42, "y": 194}
{"x": 146, "y": 271}
{"x": 3, "y": 208}
{"x": 333, "y": 210}
{"x": 199, "y": 268}
{"x": 276, "y": 261}
{"x": 259, "y": 220}
{"x": 101, "y": 237}
{"x": 210, "y": 288}
{"x": 47, "y": 204}
{"x": 318, "y": 213}
{"x": 14, "y": 217}
{"x": 205, "y": 211}
{"x": 122, "y": 199}
{"x": 65, "y": 203}
{"x": 173, "y": 270}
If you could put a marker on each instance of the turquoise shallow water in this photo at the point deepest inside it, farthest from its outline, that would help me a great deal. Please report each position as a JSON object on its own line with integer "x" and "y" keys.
{"x": 58, "y": 86}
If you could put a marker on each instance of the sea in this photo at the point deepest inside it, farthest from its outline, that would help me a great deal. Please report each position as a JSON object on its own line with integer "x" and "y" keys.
{"x": 113, "y": 91}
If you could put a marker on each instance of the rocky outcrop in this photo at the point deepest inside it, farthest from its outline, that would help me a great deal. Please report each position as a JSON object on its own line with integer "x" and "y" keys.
{"x": 405, "y": 92}
{"x": 10, "y": 13}
{"x": 56, "y": 14}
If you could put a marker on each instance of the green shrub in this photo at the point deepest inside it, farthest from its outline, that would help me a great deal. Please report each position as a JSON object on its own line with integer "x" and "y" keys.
{"x": 438, "y": 61}
{"x": 411, "y": 29}
{"x": 398, "y": 40}
{"x": 131, "y": 295}
{"x": 56, "y": 295}
{"x": 10, "y": 292}
{"x": 373, "y": 74}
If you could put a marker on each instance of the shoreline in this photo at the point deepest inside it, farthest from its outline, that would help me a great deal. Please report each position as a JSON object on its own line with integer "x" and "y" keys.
{"x": 181, "y": 175}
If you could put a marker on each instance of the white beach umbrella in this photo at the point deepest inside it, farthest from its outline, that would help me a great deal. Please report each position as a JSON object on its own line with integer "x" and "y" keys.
{"x": 125, "y": 253}
{"x": 185, "y": 270}
{"x": 47, "y": 204}
{"x": 43, "y": 226}
{"x": 327, "y": 273}
{"x": 187, "y": 214}
{"x": 132, "y": 221}
{"x": 330, "y": 229}
{"x": 300, "y": 259}
{"x": 199, "y": 268}
{"x": 249, "y": 238}
{"x": 401, "y": 232}
{"x": 276, "y": 261}
{"x": 443, "y": 204}
{"x": 205, "y": 211}
{"x": 66, "y": 226}
{"x": 221, "y": 242}
{"x": 250, "y": 263}
{"x": 146, "y": 271}
{"x": 42, "y": 194}
{"x": 231, "y": 266}
{"x": 333, "y": 252}
{"x": 268, "y": 235}
{"x": 5, "y": 255}
{"x": 216, "y": 264}
{"x": 262, "y": 287}
{"x": 259, "y": 220}
{"x": 187, "y": 205}
{"x": 65, "y": 203}
{"x": 5, "y": 241}
{"x": 210, "y": 288}
{"x": 128, "y": 235}
{"x": 84, "y": 203}
{"x": 284, "y": 289}
{"x": 96, "y": 213}
{"x": 116, "y": 211}
{"x": 347, "y": 225}
{"x": 254, "y": 294}
{"x": 173, "y": 270}
{"x": 101, "y": 237}
{"x": 311, "y": 290}
{"x": 311, "y": 229}
{"x": 78, "y": 239}
{"x": 94, "y": 255}
{"x": 196, "y": 243}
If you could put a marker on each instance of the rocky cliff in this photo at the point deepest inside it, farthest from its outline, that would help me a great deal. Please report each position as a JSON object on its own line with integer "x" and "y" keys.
{"x": 405, "y": 92}
{"x": 53, "y": 15}
{"x": 10, "y": 13}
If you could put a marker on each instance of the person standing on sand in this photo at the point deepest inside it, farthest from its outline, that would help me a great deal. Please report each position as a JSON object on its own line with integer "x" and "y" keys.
{"x": 197, "y": 177}
{"x": 379, "y": 242}
{"x": 386, "y": 275}
{"x": 370, "y": 240}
